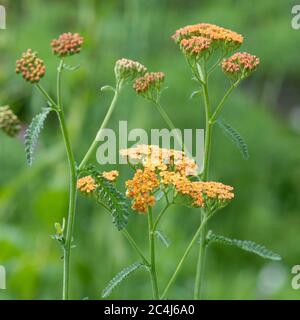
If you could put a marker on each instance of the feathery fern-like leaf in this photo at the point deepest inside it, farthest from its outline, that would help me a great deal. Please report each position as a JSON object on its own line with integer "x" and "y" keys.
{"x": 107, "y": 193}
{"x": 246, "y": 245}
{"x": 162, "y": 238}
{"x": 235, "y": 137}
{"x": 122, "y": 275}
{"x": 33, "y": 132}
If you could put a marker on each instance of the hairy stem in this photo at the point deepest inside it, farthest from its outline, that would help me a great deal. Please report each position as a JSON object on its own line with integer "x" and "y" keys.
{"x": 95, "y": 142}
{"x": 187, "y": 251}
{"x": 153, "y": 276}
{"x": 73, "y": 190}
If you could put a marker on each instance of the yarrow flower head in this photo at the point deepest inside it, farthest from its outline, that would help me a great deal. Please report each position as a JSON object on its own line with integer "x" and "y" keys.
{"x": 126, "y": 69}
{"x": 86, "y": 185}
{"x": 219, "y": 36}
{"x": 150, "y": 84}
{"x": 141, "y": 188}
{"x": 160, "y": 159}
{"x": 241, "y": 64}
{"x": 30, "y": 66}
{"x": 110, "y": 175}
{"x": 67, "y": 44}
{"x": 196, "y": 46}
{"x": 166, "y": 168}
{"x": 9, "y": 122}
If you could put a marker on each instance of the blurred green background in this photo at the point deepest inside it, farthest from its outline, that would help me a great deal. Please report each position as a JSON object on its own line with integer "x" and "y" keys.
{"x": 265, "y": 110}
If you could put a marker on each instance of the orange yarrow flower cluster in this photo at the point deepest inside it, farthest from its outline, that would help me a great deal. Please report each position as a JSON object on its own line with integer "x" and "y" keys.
{"x": 141, "y": 188}
{"x": 30, "y": 66}
{"x": 219, "y": 36}
{"x": 161, "y": 159}
{"x": 240, "y": 64}
{"x": 86, "y": 184}
{"x": 126, "y": 69}
{"x": 203, "y": 194}
{"x": 67, "y": 44}
{"x": 196, "y": 46}
{"x": 110, "y": 175}
{"x": 149, "y": 82}
{"x": 170, "y": 168}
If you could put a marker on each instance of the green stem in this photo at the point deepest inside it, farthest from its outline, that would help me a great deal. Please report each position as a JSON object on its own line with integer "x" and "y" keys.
{"x": 221, "y": 104}
{"x": 130, "y": 239}
{"x": 153, "y": 275}
{"x": 187, "y": 251}
{"x": 207, "y": 151}
{"x": 73, "y": 190}
{"x": 161, "y": 214}
{"x": 95, "y": 143}
{"x": 46, "y": 95}
{"x": 200, "y": 264}
{"x": 136, "y": 247}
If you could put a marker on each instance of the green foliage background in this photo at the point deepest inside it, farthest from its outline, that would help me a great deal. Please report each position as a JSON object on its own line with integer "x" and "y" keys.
{"x": 265, "y": 110}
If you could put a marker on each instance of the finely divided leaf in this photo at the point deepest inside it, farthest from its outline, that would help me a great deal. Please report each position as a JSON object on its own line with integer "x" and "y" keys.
{"x": 33, "y": 132}
{"x": 119, "y": 278}
{"x": 235, "y": 137}
{"x": 246, "y": 245}
{"x": 163, "y": 238}
{"x": 107, "y": 193}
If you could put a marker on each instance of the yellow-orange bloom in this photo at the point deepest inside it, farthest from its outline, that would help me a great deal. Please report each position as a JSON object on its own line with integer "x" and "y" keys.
{"x": 140, "y": 188}
{"x": 110, "y": 175}
{"x": 218, "y": 35}
{"x": 161, "y": 159}
{"x": 86, "y": 184}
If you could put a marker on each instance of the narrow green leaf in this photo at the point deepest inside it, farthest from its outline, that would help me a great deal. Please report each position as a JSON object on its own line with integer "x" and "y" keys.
{"x": 107, "y": 88}
{"x": 235, "y": 137}
{"x": 246, "y": 245}
{"x": 107, "y": 193}
{"x": 195, "y": 93}
{"x": 162, "y": 238}
{"x": 33, "y": 132}
{"x": 71, "y": 68}
{"x": 122, "y": 275}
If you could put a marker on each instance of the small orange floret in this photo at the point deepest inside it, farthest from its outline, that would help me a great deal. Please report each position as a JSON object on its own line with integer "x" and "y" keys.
{"x": 86, "y": 184}
{"x": 110, "y": 175}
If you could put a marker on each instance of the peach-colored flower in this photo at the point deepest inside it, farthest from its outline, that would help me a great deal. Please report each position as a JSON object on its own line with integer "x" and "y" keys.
{"x": 67, "y": 44}
{"x": 240, "y": 63}
{"x": 110, "y": 175}
{"x": 30, "y": 66}
{"x": 86, "y": 184}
